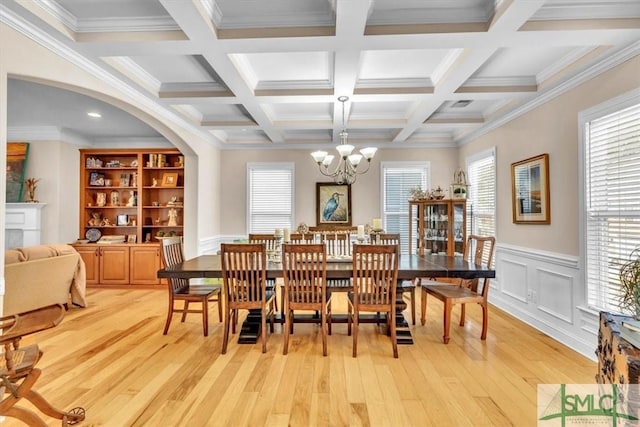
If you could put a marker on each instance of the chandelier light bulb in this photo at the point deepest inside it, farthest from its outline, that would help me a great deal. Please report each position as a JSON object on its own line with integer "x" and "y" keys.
{"x": 345, "y": 149}
{"x": 354, "y": 159}
{"x": 319, "y": 156}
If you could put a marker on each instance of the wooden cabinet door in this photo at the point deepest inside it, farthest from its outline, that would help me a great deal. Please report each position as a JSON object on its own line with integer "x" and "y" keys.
{"x": 145, "y": 263}
{"x": 114, "y": 265}
{"x": 90, "y": 254}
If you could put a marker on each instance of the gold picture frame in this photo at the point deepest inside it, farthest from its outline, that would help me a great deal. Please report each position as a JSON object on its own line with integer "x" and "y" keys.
{"x": 530, "y": 190}
{"x": 333, "y": 204}
{"x": 169, "y": 179}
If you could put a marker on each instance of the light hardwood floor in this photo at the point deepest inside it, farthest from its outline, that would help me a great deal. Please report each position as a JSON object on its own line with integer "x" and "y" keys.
{"x": 112, "y": 359}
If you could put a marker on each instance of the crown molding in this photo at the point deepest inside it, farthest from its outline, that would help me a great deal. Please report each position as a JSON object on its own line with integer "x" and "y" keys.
{"x": 42, "y": 38}
{"x": 571, "y": 82}
{"x": 46, "y": 133}
{"x": 56, "y": 10}
{"x": 145, "y": 23}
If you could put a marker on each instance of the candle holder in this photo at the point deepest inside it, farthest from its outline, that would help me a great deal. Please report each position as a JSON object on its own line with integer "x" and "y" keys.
{"x": 276, "y": 255}
{"x": 375, "y": 235}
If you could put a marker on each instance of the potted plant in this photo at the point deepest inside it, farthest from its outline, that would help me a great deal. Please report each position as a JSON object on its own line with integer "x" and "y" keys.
{"x": 630, "y": 282}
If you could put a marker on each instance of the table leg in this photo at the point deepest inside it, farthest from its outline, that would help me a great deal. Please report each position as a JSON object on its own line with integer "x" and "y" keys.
{"x": 403, "y": 332}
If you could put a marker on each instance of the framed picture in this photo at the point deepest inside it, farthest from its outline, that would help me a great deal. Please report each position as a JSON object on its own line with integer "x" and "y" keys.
{"x": 530, "y": 190}
{"x": 169, "y": 179}
{"x": 131, "y": 238}
{"x": 122, "y": 219}
{"x": 16, "y": 168}
{"x": 96, "y": 179}
{"x": 333, "y": 204}
{"x": 125, "y": 180}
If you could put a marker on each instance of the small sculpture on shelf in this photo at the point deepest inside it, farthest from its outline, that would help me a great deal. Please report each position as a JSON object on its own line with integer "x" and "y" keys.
{"x": 31, "y": 189}
{"x": 154, "y": 182}
{"x": 106, "y": 222}
{"x": 96, "y": 219}
{"x": 132, "y": 199}
{"x": 418, "y": 193}
{"x": 173, "y": 218}
{"x": 459, "y": 186}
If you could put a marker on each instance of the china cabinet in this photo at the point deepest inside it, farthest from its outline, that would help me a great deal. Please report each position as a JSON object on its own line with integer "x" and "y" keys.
{"x": 437, "y": 227}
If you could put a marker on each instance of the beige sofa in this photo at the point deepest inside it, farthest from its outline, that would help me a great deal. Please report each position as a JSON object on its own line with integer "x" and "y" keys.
{"x": 42, "y": 275}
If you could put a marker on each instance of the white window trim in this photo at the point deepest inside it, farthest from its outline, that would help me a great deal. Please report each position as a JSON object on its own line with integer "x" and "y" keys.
{"x": 269, "y": 166}
{"x": 479, "y": 156}
{"x": 425, "y": 164}
{"x": 610, "y": 106}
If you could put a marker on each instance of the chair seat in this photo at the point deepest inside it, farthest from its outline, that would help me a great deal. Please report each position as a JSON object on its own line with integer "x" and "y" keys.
{"x": 199, "y": 290}
{"x": 24, "y": 359}
{"x": 451, "y": 291}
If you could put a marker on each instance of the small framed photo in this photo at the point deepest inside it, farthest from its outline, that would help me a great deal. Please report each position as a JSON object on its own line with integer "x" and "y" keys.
{"x": 96, "y": 179}
{"x": 122, "y": 219}
{"x": 169, "y": 179}
{"x": 530, "y": 190}
{"x": 131, "y": 238}
{"x": 125, "y": 179}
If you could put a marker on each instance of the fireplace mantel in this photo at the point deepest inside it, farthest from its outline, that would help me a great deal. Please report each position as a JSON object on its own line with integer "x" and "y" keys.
{"x": 22, "y": 224}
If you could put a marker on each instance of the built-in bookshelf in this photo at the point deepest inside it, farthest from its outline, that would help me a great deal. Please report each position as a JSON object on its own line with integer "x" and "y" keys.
{"x": 131, "y": 196}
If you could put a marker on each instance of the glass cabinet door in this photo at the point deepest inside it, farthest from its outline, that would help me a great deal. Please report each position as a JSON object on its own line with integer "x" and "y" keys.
{"x": 458, "y": 227}
{"x": 436, "y": 232}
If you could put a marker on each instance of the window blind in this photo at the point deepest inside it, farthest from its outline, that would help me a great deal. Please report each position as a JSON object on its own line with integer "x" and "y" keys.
{"x": 612, "y": 202}
{"x": 270, "y": 194}
{"x": 481, "y": 194}
{"x": 397, "y": 179}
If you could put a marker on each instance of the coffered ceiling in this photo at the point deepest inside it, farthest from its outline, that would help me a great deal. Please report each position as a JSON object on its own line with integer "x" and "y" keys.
{"x": 259, "y": 73}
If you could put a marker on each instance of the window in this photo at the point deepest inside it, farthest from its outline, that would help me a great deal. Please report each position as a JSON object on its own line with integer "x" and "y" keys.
{"x": 397, "y": 179}
{"x": 270, "y": 196}
{"x": 611, "y": 205}
{"x": 481, "y": 195}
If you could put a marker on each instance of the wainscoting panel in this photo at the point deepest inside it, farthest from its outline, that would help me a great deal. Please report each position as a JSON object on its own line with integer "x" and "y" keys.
{"x": 546, "y": 291}
{"x": 555, "y": 294}
{"x": 517, "y": 285}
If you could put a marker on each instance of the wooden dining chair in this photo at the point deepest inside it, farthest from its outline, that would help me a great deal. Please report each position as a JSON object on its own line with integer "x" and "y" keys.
{"x": 182, "y": 290}
{"x": 304, "y": 268}
{"x": 408, "y": 286}
{"x": 271, "y": 244}
{"x": 462, "y": 291}
{"x": 375, "y": 273}
{"x": 18, "y": 372}
{"x": 244, "y": 277}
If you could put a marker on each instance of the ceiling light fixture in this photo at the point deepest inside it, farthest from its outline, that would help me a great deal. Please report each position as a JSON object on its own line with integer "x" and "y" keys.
{"x": 94, "y": 114}
{"x": 346, "y": 170}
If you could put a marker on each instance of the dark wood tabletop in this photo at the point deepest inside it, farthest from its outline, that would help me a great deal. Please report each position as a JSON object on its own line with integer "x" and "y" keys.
{"x": 409, "y": 267}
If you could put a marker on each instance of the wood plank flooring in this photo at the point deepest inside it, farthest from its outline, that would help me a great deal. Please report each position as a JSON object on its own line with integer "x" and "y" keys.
{"x": 112, "y": 359}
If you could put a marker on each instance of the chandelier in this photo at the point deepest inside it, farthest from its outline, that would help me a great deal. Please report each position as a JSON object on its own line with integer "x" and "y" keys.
{"x": 346, "y": 171}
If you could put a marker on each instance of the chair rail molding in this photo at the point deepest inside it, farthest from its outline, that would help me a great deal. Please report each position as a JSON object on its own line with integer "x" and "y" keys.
{"x": 545, "y": 290}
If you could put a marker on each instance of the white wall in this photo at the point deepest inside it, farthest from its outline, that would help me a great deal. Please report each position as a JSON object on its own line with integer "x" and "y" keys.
{"x": 539, "y": 272}
{"x": 365, "y": 193}
{"x": 56, "y": 164}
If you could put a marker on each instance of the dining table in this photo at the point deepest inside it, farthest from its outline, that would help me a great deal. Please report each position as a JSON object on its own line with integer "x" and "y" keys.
{"x": 410, "y": 267}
